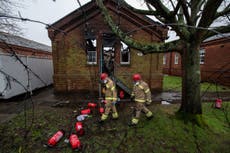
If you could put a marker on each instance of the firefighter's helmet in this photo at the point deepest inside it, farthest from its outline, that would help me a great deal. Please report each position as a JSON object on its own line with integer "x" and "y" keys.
{"x": 103, "y": 76}
{"x": 136, "y": 77}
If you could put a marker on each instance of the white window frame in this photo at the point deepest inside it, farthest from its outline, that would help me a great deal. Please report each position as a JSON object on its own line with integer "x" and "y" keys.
{"x": 164, "y": 59}
{"x": 122, "y": 62}
{"x": 202, "y": 56}
{"x": 176, "y": 58}
{"x": 95, "y": 57}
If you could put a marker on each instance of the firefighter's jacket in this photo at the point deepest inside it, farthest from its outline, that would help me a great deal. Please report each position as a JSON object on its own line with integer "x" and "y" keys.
{"x": 110, "y": 91}
{"x": 141, "y": 92}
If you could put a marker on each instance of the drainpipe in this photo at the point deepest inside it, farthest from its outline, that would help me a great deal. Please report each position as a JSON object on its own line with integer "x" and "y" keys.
{"x": 100, "y": 68}
{"x": 150, "y": 68}
{"x": 150, "y": 72}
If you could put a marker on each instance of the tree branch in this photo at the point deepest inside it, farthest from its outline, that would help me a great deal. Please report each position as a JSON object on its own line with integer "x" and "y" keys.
{"x": 209, "y": 13}
{"x": 207, "y": 17}
{"x": 164, "y": 11}
{"x": 140, "y": 11}
{"x": 218, "y": 30}
{"x": 185, "y": 10}
{"x": 226, "y": 11}
{"x": 161, "y": 19}
{"x": 169, "y": 17}
{"x": 144, "y": 47}
{"x": 175, "y": 11}
{"x": 195, "y": 8}
{"x": 172, "y": 4}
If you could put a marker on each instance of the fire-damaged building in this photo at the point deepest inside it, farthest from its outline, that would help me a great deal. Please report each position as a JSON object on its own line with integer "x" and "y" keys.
{"x": 84, "y": 46}
{"x": 214, "y": 60}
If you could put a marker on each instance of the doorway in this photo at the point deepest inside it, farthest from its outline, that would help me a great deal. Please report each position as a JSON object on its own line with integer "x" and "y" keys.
{"x": 108, "y": 53}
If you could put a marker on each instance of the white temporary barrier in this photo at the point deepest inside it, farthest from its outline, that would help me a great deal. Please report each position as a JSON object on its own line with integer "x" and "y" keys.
{"x": 16, "y": 79}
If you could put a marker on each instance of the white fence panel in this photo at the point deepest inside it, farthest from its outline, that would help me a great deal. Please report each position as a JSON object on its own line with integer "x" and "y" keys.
{"x": 42, "y": 67}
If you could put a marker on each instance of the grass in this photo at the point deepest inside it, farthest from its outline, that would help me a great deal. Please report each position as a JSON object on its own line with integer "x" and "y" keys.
{"x": 163, "y": 134}
{"x": 174, "y": 83}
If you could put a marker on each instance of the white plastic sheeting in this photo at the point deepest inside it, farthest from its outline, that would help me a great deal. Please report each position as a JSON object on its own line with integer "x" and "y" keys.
{"x": 16, "y": 77}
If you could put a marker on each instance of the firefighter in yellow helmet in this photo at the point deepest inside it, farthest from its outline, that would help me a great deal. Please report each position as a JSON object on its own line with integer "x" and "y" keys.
{"x": 141, "y": 95}
{"x": 110, "y": 97}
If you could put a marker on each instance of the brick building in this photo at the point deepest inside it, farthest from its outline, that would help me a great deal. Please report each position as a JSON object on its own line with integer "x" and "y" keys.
{"x": 84, "y": 46}
{"x": 214, "y": 60}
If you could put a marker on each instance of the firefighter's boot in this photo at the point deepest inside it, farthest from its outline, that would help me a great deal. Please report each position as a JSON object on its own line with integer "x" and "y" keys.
{"x": 149, "y": 115}
{"x": 103, "y": 118}
{"x": 133, "y": 122}
{"x": 115, "y": 115}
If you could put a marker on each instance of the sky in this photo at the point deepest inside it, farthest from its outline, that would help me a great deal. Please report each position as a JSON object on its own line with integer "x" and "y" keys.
{"x": 48, "y": 12}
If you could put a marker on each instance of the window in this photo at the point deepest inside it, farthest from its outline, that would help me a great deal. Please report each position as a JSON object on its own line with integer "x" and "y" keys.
{"x": 91, "y": 51}
{"x": 176, "y": 58}
{"x": 202, "y": 56}
{"x": 92, "y": 57}
{"x": 164, "y": 59}
{"x": 124, "y": 54}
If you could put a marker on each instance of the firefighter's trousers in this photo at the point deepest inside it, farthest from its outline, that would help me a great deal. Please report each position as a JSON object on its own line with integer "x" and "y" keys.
{"x": 108, "y": 107}
{"x": 138, "y": 109}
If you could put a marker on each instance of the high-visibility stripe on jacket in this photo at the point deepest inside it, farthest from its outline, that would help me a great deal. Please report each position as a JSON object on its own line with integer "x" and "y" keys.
{"x": 110, "y": 91}
{"x": 141, "y": 92}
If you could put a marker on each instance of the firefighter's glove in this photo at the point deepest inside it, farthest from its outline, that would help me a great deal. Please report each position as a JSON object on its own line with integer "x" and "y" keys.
{"x": 148, "y": 102}
{"x": 114, "y": 102}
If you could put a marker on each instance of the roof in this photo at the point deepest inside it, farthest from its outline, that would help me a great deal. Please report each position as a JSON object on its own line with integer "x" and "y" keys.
{"x": 19, "y": 41}
{"x": 78, "y": 17}
{"x": 218, "y": 36}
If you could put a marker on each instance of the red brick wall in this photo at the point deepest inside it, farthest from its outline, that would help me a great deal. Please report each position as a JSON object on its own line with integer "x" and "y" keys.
{"x": 170, "y": 67}
{"x": 71, "y": 72}
{"x": 217, "y": 62}
{"x": 216, "y": 67}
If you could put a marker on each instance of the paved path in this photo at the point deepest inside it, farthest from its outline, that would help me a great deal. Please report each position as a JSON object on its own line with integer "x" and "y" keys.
{"x": 175, "y": 97}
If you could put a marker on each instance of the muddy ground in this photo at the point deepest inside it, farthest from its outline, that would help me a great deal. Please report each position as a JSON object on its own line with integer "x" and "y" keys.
{"x": 47, "y": 98}
{"x": 59, "y": 111}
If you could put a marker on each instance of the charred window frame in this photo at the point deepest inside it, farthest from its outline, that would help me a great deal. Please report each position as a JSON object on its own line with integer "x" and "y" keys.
{"x": 124, "y": 54}
{"x": 91, "y": 51}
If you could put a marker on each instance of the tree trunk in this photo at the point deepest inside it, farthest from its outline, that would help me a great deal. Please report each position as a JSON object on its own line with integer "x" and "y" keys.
{"x": 191, "y": 100}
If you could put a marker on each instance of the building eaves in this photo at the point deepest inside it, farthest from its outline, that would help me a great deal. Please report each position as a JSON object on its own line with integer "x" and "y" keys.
{"x": 19, "y": 41}
{"x": 218, "y": 36}
{"x": 77, "y": 15}
{"x": 79, "y": 11}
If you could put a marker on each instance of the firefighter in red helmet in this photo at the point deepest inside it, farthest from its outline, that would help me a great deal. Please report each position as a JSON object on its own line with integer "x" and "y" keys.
{"x": 141, "y": 95}
{"x": 110, "y": 97}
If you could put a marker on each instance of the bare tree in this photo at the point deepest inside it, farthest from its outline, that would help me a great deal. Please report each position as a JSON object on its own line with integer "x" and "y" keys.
{"x": 8, "y": 24}
{"x": 191, "y": 20}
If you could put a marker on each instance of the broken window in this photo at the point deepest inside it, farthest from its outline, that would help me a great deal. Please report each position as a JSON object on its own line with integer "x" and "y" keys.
{"x": 124, "y": 54}
{"x": 108, "y": 53}
{"x": 202, "y": 56}
{"x": 108, "y": 56}
{"x": 91, "y": 51}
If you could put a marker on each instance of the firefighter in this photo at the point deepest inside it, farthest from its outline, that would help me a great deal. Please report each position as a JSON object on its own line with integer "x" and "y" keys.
{"x": 110, "y": 97}
{"x": 141, "y": 94}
